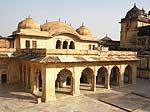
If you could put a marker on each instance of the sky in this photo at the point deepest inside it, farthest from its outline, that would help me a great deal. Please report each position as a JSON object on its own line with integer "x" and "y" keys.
{"x": 102, "y": 17}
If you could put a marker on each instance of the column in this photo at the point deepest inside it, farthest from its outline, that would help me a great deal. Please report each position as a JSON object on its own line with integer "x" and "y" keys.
{"x": 121, "y": 79}
{"x": 76, "y": 81}
{"x": 33, "y": 79}
{"x": 107, "y": 81}
{"x": 107, "y": 78}
{"x": 48, "y": 84}
{"x": 121, "y": 75}
{"x": 134, "y": 73}
{"x": 93, "y": 87}
{"x": 75, "y": 86}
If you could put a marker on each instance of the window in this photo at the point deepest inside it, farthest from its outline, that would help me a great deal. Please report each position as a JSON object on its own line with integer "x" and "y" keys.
{"x": 65, "y": 45}
{"x": 27, "y": 44}
{"x": 89, "y": 47}
{"x": 34, "y": 44}
{"x": 58, "y": 44}
{"x": 71, "y": 46}
{"x": 93, "y": 47}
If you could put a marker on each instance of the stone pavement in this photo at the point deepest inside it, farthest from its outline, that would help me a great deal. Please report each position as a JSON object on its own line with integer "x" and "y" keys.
{"x": 134, "y": 98}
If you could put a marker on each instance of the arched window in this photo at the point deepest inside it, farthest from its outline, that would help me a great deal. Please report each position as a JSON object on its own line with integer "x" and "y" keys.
{"x": 71, "y": 46}
{"x": 58, "y": 44}
{"x": 65, "y": 44}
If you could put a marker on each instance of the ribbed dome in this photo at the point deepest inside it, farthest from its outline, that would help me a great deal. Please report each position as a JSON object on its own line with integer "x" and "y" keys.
{"x": 57, "y": 26}
{"x": 29, "y": 23}
{"x": 82, "y": 30}
{"x": 134, "y": 13}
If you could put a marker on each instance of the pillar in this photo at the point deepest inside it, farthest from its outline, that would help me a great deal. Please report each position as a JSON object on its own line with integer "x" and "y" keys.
{"x": 93, "y": 87}
{"x": 134, "y": 73}
{"x": 121, "y": 79}
{"x": 48, "y": 83}
{"x": 75, "y": 86}
{"x": 107, "y": 81}
{"x": 76, "y": 81}
{"x": 33, "y": 79}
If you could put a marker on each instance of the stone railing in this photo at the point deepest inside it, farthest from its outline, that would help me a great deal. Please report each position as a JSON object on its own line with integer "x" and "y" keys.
{"x": 77, "y": 52}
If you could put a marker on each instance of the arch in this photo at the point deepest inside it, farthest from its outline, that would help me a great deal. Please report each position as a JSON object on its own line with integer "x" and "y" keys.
{"x": 71, "y": 46}
{"x": 64, "y": 80}
{"x": 65, "y": 44}
{"x": 3, "y": 78}
{"x": 86, "y": 76}
{"x": 58, "y": 44}
{"x": 102, "y": 73}
{"x": 40, "y": 81}
{"x": 128, "y": 75}
{"x": 114, "y": 76}
{"x": 86, "y": 79}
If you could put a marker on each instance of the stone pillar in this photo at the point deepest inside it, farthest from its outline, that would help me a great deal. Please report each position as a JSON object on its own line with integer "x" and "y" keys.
{"x": 33, "y": 80}
{"x": 107, "y": 81}
{"x": 134, "y": 73}
{"x": 75, "y": 86}
{"x": 121, "y": 75}
{"x": 75, "y": 81}
{"x": 121, "y": 79}
{"x": 48, "y": 83}
{"x": 93, "y": 86}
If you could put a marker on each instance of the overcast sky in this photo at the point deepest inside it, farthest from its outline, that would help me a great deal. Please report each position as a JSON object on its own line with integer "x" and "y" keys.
{"x": 100, "y": 16}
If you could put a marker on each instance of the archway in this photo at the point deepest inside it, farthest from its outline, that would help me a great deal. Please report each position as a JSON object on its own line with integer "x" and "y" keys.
{"x": 114, "y": 76}
{"x": 3, "y": 73}
{"x": 40, "y": 81}
{"x": 63, "y": 82}
{"x": 71, "y": 46}
{"x": 101, "y": 76}
{"x": 128, "y": 75}
{"x": 65, "y": 45}
{"x": 3, "y": 78}
{"x": 58, "y": 44}
{"x": 86, "y": 79}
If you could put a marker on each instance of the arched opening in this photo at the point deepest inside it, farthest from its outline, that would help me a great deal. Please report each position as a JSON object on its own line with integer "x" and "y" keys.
{"x": 65, "y": 45}
{"x": 86, "y": 79}
{"x": 4, "y": 73}
{"x": 58, "y": 44}
{"x": 4, "y": 78}
{"x": 114, "y": 76}
{"x": 40, "y": 81}
{"x": 101, "y": 76}
{"x": 63, "y": 82}
{"x": 128, "y": 75}
{"x": 71, "y": 46}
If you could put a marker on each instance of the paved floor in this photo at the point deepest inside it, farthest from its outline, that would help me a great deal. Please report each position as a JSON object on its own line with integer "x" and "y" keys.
{"x": 134, "y": 98}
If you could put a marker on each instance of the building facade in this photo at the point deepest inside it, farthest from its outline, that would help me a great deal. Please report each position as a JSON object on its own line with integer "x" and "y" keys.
{"x": 135, "y": 35}
{"x": 55, "y": 55}
{"x": 134, "y": 19}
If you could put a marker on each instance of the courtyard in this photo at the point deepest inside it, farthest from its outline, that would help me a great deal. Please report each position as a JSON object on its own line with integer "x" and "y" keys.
{"x": 131, "y": 98}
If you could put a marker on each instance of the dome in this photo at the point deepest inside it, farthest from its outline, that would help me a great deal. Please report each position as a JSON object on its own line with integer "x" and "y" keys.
{"x": 134, "y": 13}
{"x": 29, "y": 23}
{"x": 57, "y": 27}
{"x": 82, "y": 30}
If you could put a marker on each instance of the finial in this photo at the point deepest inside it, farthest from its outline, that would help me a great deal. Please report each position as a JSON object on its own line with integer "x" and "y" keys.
{"x": 143, "y": 8}
{"x": 59, "y": 19}
{"x": 29, "y": 16}
{"x": 82, "y": 23}
{"x": 134, "y": 4}
{"x": 65, "y": 21}
{"x": 46, "y": 21}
